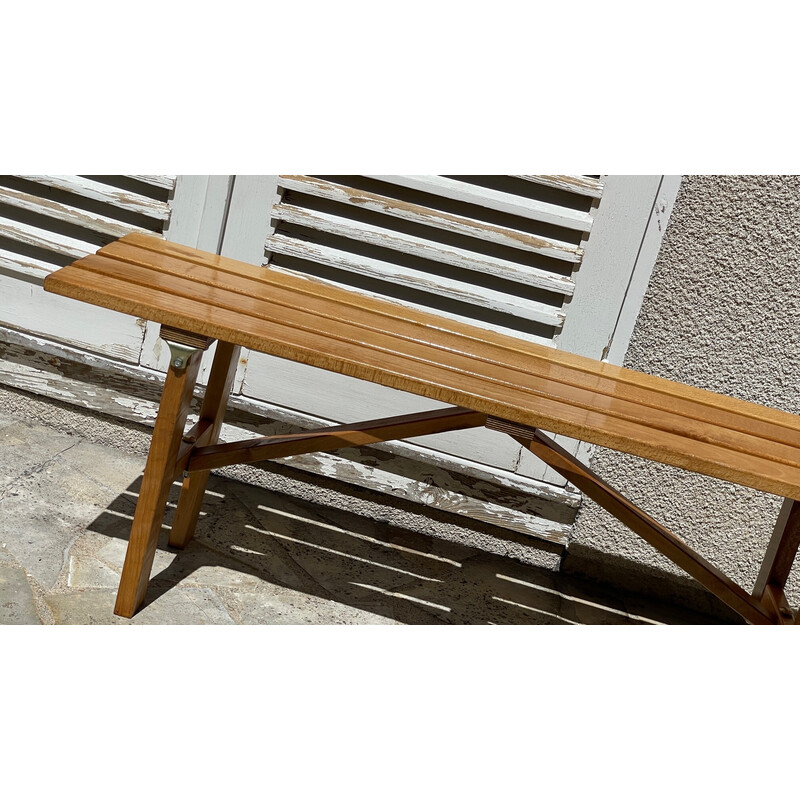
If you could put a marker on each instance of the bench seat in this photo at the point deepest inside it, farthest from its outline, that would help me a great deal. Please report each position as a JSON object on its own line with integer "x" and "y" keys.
{"x": 386, "y": 343}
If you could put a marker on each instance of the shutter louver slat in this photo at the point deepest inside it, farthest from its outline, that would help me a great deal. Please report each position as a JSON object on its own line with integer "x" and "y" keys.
{"x": 163, "y": 181}
{"x": 24, "y": 265}
{"x": 65, "y": 213}
{"x": 578, "y": 184}
{"x": 94, "y": 190}
{"x": 505, "y": 202}
{"x": 46, "y": 240}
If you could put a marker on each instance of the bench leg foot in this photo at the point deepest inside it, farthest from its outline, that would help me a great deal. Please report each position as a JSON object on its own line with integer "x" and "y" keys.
{"x": 223, "y": 371}
{"x": 158, "y": 476}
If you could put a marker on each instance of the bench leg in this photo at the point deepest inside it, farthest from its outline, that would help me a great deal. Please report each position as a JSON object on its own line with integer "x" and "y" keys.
{"x": 779, "y": 558}
{"x": 637, "y": 520}
{"x": 158, "y": 476}
{"x": 215, "y": 401}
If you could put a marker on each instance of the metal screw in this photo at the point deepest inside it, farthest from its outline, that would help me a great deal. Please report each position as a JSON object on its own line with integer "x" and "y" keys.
{"x": 178, "y": 363}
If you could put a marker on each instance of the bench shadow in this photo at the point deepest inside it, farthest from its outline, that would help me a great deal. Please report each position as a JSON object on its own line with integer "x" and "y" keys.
{"x": 258, "y": 549}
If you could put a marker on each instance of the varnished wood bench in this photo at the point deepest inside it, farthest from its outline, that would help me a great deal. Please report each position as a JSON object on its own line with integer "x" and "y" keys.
{"x": 491, "y": 380}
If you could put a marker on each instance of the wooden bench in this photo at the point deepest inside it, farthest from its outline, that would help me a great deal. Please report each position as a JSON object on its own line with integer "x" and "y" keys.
{"x": 490, "y": 380}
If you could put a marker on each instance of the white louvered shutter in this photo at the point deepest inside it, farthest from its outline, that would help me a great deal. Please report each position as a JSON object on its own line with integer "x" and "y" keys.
{"x": 47, "y": 221}
{"x": 499, "y": 252}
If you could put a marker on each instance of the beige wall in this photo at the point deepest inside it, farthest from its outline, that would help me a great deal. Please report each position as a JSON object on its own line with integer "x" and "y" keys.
{"x": 722, "y": 312}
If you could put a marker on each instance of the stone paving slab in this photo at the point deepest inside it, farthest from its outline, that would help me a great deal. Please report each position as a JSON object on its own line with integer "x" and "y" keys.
{"x": 24, "y": 449}
{"x": 179, "y": 606}
{"x": 59, "y": 485}
{"x": 195, "y": 566}
{"x": 17, "y": 606}
{"x": 285, "y": 607}
{"x": 90, "y": 573}
{"x": 5, "y": 554}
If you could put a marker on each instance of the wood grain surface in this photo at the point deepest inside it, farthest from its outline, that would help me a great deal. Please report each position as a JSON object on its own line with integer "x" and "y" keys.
{"x": 314, "y": 323}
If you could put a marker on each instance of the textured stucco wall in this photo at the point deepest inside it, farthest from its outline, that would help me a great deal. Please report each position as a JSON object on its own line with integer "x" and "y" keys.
{"x": 722, "y": 312}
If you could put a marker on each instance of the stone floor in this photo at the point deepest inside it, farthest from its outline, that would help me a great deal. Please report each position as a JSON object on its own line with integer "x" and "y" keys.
{"x": 258, "y": 557}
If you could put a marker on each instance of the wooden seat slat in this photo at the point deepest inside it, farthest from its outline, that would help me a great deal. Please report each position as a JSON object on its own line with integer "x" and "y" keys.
{"x": 561, "y": 417}
{"x": 295, "y": 318}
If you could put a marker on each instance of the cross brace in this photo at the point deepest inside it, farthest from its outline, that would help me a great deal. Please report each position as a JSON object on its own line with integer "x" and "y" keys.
{"x": 334, "y": 437}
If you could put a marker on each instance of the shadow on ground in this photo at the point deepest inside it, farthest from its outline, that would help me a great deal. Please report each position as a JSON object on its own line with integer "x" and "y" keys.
{"x": 274, "y": 559}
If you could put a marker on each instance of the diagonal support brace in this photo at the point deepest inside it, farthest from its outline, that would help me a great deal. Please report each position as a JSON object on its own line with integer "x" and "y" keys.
{"x": 637, "y": 520}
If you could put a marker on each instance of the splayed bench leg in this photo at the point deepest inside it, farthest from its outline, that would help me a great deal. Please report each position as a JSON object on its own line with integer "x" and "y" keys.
{"x": 159, "y": 473}
{"x": 215, "y": 402}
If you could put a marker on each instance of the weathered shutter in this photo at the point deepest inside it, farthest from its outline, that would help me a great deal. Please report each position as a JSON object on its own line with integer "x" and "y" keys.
{"x": 498, "y": 252}
{"x": 47, "y": 221}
